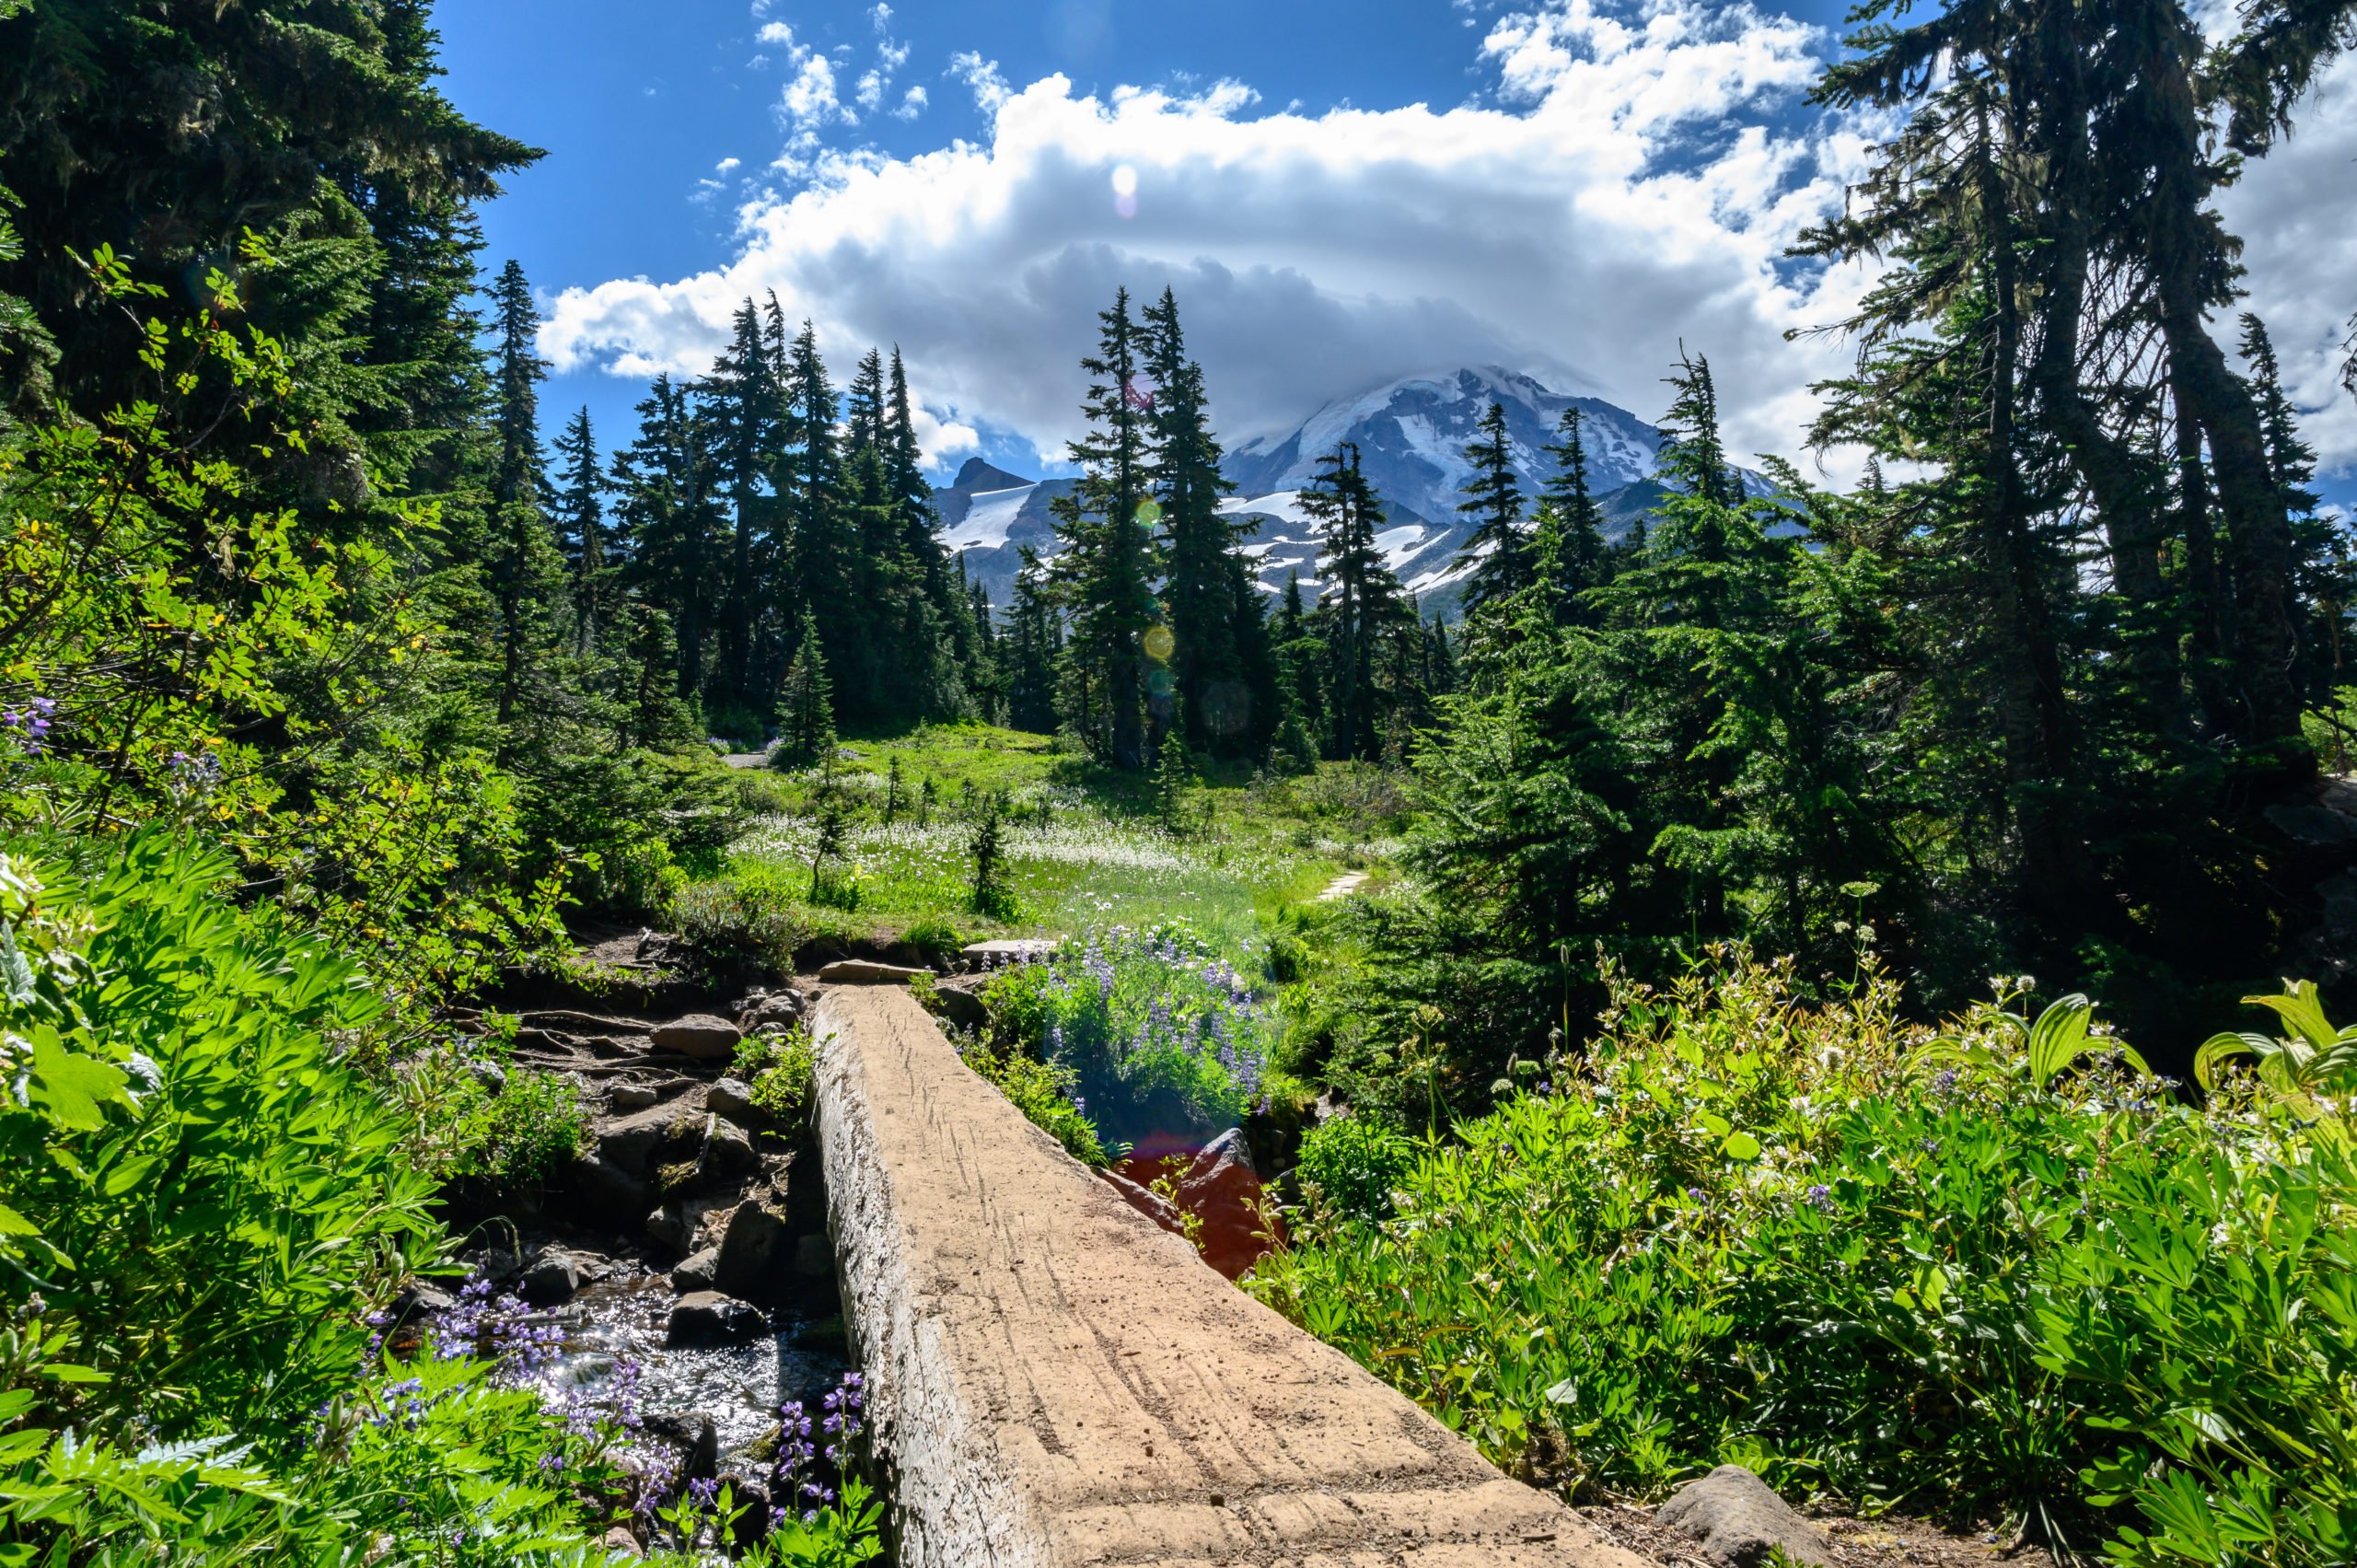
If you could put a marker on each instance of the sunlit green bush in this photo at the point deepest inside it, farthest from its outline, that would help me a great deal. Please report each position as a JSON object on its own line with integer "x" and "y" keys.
{"x": 2003, "y": 1272}
{"x": 200, "y": 1205}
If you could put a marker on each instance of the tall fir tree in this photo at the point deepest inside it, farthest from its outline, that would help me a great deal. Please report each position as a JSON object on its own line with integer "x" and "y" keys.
{"x": 579, "y": 508}
{"x": 1105, "y": 571}
{"x": 1498, "y": 550}
{"x": 1202, "y": 552}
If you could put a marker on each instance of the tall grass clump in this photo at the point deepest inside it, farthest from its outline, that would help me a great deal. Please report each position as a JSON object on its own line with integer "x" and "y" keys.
{"x": 1162, "y": 1033}
{"x": 1998, "y": 1271}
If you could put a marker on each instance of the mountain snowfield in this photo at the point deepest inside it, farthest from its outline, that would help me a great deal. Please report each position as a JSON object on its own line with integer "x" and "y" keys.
{"x": 1411, "y": 435}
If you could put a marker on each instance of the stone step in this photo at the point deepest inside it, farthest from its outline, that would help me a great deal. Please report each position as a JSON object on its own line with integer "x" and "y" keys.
{"x": 1058, "y": 1382}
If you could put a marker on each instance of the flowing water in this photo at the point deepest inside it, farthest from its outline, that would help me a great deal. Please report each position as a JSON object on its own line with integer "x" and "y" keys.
{"x": 608, "y": 1327}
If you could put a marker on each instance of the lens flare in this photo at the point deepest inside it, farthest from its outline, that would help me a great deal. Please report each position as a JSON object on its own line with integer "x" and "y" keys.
{"x": 1125, "y": 191}
{"x": 1149, "y": 513}
{"x": 1159, "y": 643}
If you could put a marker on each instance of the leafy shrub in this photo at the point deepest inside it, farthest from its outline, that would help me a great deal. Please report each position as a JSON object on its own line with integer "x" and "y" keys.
{"x": 1047, "y": 1094}
{"x": 199, "y": 1201}
{"x": 1159, "y": 1030}
{"x": 1354, "y": 1163}
{"x": 1998, "y": 1271}
{"x": 779, "y": 1068}
{"x": 749, "y": 918}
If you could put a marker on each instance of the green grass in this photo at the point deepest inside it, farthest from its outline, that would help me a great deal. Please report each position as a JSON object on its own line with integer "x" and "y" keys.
{"x": 1083, "y": 850}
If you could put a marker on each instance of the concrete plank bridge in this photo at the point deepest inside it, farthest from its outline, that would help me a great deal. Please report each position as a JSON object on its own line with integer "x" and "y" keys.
{"x": 1057, "y": 1382}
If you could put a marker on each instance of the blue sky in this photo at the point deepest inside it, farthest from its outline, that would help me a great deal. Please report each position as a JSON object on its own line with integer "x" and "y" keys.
{"x": 1587, "y": 185}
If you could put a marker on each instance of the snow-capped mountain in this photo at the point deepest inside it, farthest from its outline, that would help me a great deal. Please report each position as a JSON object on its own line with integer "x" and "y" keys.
{"x": 1411, "y": 435}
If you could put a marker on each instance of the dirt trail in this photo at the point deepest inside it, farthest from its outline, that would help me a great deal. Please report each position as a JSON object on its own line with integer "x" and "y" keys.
{"x": 1342, "y": 887}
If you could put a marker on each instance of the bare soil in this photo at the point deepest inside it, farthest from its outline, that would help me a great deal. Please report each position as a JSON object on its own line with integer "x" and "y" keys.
{"x": 1890, "y": 1541}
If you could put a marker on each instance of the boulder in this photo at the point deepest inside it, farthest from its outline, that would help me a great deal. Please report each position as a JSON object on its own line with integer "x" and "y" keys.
{"x": 629, "y": 1096}
{"x": 551, "y": 1279}
{"x": 709, "y": 1318}
{"x": 863, "y": 972}
{"x": 764, "y": 1009}
{"x": 699, "y": 1034}
{"x": 687, "y": 1224}
{"x": 603, "y": 1190}
{"x": 814, "y": 1258}
{"x": 1740, "y": 1522}
{"x": 620, "y": 1542}
{"x": 733, "y": 1098}
{"x": 959, "y": 1007}
{"x": 750, "y": 1493}
{"x": 756, "y": 1251}
{"x": 636, "y": 1142}
{"x": 1153, "y": 1205}
{"x": 1223, "y": 1190}
{"x": 700, "y": 1272}
{"x": 727, "y": 1155}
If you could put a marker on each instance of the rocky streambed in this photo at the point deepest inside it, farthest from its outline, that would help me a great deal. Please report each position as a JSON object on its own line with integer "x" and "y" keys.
{"x": 677, "y": 1272}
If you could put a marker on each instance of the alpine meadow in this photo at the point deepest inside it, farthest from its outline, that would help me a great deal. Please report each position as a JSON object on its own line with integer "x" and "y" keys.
{"x": 619, "y": 941}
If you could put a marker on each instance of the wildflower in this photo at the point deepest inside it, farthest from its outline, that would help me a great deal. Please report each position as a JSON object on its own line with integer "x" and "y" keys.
{"x": 1820, "y": 1198}
{"x": 704, "y": 1490}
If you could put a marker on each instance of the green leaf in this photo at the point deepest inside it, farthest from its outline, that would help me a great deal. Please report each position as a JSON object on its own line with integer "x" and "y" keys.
{"x": 2058, "y": 1037}
{"x": 1740, "y": 1145}
{"x": 71, "y": 1087}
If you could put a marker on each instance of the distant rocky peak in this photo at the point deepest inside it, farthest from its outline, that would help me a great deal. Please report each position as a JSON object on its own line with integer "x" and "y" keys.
{"x": 978, "y": 475}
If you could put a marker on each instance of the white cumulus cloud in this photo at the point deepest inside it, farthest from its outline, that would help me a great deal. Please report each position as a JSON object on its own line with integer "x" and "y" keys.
{"x": 1632, "y": 184}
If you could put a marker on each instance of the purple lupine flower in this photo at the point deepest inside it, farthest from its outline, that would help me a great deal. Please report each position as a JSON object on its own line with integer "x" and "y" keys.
{"x": 1820, "y": 1197}
{"x": 705, "y": 1489}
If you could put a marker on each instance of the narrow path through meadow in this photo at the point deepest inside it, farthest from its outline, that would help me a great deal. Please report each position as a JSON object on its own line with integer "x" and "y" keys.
{"x": 1341, "y": 887}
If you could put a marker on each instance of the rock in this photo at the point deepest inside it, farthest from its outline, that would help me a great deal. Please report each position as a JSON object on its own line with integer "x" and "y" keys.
{"x": 700, "y": 1272}
{"x": 733, "y": 1098}
{"x": 629, "y": 1096}
{"x": 603, "y": 1191}
{"x": 766, "y": 1009}
{"x": 1222, "y": 1188}
{"x": 689, "y": 1224}
{"x": 551, "y": 1279}
{"x": 959, "y": 1007}
{"x": 699, "y": 1034}
{"x": 709, "y": 1318}
{"x": 637, "y": 1142}
{"x": 702, "y": 1457}
{"x": 622, "y": 1543}
{"x": 862, "y": 972}
{"x": 1739, "y": 1521}
{"x": 490, "y": 1074}
{"x": 496, "y": 1265}
{"x": 1153, "y": 1205}
{"x": 813, "y": 1258}
{"x": 750, "y": 1492}
{"x": 755, "y": 1251}
{"x": 727, "y": 1155}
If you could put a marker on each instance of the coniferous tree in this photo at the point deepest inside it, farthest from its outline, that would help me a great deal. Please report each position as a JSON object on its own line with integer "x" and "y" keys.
{"x": 520, "y": 562}
{"x": 1361, "y": 610}
{"x": 1105, "y": 571}
{"x": 1498, "y": 549}
{"x": 1204, "y": 570}
{"x": 1569, "y": 549}
{"x": 580, "y": 510}
{"x": 805, "y": 705}
{"x": 738, "y": 404}
{"x": 672, "y": 524}
{"x": 1031, "y": 648}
